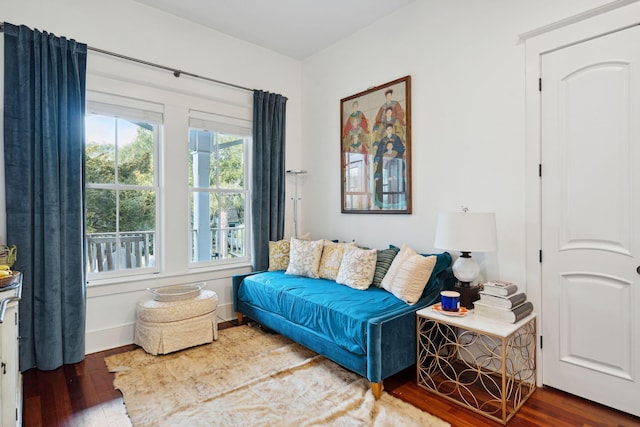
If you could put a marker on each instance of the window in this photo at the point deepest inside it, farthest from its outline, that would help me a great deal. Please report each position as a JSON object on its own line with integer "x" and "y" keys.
{"x": 121, "y": 187}
{"x": 218, "y": 201}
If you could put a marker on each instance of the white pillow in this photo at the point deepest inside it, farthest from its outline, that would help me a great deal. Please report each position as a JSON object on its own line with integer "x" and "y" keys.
{"x": 412, "y": 277}
{"x": 403, "y": 255}
{"x": 304, "y": 257}
{"x": 331, "y": 259}
{"x": 357, "y": 268}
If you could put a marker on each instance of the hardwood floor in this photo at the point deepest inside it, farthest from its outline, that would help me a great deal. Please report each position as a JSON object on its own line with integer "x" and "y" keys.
{"x": 82, "y": 395}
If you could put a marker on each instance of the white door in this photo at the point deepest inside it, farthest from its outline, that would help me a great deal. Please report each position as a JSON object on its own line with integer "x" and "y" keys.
{"x": 591, "y": 219}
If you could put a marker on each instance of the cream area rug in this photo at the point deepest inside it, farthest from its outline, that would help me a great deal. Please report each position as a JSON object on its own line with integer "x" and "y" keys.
{"x": 249, "y": 377}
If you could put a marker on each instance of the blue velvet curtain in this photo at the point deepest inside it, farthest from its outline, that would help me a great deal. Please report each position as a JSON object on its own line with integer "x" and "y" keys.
{"x": 44, "y": 105}
{"x": 268, "y": 175}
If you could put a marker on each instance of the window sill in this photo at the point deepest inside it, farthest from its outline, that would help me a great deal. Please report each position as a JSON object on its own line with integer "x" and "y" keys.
{"x": 128, "y": 284}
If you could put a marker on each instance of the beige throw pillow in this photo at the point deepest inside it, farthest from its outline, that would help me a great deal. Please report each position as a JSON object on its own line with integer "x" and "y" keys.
{"x": 304, "y": 257}
{"x": 403, "y": 255}
{"x": 412, "y": 277}
{"x": 408, "y": 275}
{"x": 332, "y": 253}
{"x": 357, "y": 267}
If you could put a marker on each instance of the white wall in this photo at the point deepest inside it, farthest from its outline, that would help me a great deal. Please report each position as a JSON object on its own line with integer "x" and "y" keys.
{"x": 467, "y": 67}
{"x": 468, "y": 116}
{"x": 135, "y": 30}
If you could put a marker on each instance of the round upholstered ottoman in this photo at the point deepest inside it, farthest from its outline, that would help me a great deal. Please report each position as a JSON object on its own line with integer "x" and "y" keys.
{"x": 166, "y": 326}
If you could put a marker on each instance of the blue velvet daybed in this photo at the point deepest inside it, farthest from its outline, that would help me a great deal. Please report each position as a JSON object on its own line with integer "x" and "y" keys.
{"x": 370, "y": 332}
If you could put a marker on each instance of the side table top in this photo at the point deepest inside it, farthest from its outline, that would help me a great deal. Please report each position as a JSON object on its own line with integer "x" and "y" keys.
{"x": 476, "y": 322}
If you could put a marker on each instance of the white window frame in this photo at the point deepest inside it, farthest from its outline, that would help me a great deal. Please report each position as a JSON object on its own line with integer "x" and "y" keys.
{"x": 220, "y": 124}
{"x": 112, "y": 77}
{"x": 134, "y": 110}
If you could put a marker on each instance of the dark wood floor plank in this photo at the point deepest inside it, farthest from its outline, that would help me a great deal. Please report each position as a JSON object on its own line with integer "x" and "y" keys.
{"x": 546, "y": 407}
{"x": 82, "y": 395}
{"x": 32, "y": 417}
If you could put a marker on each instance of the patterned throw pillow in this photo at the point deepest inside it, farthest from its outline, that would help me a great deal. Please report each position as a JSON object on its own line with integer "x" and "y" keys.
{"x": 304, "y": 257}
{"x": 383, "y": 262}
{"x": 357, "y": 268}
{"x": 279, "y": 255}
{"x": 331, "y": 259}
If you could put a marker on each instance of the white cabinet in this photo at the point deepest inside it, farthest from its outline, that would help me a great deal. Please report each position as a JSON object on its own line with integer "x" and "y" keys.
{"x": 10, "y": 376}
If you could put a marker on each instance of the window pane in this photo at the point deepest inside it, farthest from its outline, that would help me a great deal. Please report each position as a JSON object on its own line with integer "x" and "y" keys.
{"x": 231, "y": 233}
{"x": 218, "y": 197}
{"x": 230, "y": 158}
{"x": 137, "y": 228}
{"x": 101, "y": 211}
{"x": 204, "y": 223}
{"x": 202, "y": 161}
{"x": 137, "y": 210}
{"x": 100, "y": 149}
{"x": 137, "y": 250}
{"x": 101, "y": 230}
{"x": 121, "y": 187}
{"x": 232, "y": 212}
{"x": 135, "y": 152}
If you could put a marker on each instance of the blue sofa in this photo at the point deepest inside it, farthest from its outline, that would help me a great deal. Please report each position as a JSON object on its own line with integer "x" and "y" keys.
{"x": 369, "y": 332}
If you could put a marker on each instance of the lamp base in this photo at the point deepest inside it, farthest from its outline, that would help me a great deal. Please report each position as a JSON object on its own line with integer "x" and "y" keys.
{"x": 468, "y": 294}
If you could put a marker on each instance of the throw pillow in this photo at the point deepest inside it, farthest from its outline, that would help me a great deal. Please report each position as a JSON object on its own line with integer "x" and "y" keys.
{"x": 383, "y": 261}
{"x": 412, "y": 277}
{"x": 304, "y": 257}
{"x": 331, "y": 259}
{"x": 279, "y": 255}
{"x": 442, "y": 263}
{"x": 357, "y": 268}
{"x": 405, "y": 253}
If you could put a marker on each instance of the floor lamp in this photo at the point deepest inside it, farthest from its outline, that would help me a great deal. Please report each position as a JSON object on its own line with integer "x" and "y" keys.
{"x": 295, "y": 198}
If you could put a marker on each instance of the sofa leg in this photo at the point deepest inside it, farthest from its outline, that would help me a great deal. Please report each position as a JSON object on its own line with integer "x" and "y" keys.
{"x": 240, "y": 317}
{"x": 376, "y": 390}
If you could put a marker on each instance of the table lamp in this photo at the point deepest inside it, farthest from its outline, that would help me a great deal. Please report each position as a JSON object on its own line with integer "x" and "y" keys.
{"x": 466, "y": 232}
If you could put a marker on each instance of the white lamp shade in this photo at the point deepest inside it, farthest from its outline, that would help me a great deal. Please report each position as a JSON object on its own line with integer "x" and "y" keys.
{"x": 467, "y": 232}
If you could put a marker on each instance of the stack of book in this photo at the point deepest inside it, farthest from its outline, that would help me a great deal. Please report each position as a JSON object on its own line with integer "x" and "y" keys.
{"x": 502, "y": 301}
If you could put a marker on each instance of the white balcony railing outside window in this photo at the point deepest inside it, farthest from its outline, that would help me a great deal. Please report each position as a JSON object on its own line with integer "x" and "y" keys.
{"x": 136, "y": 251}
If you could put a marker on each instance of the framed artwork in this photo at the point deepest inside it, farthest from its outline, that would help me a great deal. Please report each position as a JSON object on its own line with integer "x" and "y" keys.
{"x": 375, "y": 149}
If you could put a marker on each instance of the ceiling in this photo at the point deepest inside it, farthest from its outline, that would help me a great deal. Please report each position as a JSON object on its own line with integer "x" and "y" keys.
{"x": 296, "y": 28}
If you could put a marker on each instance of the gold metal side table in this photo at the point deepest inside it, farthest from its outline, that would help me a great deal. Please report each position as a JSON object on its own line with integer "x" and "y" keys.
{"x": 482, "y": 364}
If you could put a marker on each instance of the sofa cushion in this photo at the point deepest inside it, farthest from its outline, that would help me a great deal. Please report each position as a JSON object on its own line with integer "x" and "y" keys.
{"x": 331, "y": 259}
{"x": 331, "y": 310}
{"x": 304, "y": 257}
{"x": 384, "y": 259}
{"x": 357, "y": 268}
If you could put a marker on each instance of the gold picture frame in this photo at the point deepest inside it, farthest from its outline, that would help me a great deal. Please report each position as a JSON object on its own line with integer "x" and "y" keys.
{"x": 375, "y": 149}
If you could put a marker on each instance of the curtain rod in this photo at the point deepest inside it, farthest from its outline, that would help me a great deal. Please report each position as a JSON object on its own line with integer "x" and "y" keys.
{"x": 176, "y": 72}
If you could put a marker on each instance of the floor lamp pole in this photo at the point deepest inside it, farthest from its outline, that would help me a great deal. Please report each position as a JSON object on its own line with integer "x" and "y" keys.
{"x": 295, "y": 198}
